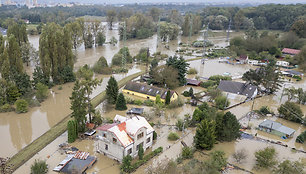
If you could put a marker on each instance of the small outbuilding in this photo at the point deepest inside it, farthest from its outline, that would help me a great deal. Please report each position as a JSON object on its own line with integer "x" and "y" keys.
{"x": 238, "y": 88}
{"x": 243, "y": 59}
{"x": 291, "y": 52}
{"x": 193, "y": 82}
{"x": 294, "y": 73}
{"x": 276, "y": 128}
{"x": 136, "y": 111}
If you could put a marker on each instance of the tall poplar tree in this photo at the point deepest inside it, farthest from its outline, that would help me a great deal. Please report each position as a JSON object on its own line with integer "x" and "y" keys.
{"x": 14, "y": 54}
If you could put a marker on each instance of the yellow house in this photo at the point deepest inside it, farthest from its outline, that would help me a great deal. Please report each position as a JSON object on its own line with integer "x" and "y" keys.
{"x": 148, "y": 92}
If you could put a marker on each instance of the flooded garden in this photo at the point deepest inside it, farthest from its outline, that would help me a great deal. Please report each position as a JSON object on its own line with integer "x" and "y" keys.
{"x": 19, "y": 130}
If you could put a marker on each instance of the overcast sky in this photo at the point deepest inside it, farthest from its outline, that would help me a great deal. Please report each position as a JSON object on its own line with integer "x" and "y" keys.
{"x": 160, "y": 1}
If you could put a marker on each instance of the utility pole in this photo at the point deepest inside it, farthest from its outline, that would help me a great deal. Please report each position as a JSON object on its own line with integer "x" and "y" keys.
{"x": 190, "y": 29}
{"x": 124, "y": 51}
{"x": 158, "y": 32}
{"x": 228, "y": 30}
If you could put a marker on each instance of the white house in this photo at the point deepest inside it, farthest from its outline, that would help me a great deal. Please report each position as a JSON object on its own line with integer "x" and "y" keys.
{"x": 124, "y": 136}
{"x": 282, "y": 63}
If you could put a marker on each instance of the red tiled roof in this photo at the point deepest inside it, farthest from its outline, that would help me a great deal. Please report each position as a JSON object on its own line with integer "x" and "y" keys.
{"x": 291, "y": 51}
{"x": 106, "y": 127}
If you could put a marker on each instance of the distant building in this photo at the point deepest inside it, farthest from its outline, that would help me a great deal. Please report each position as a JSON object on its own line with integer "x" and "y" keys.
{"x": 253, "y": 62}
{"x": 276, "y": 128}
{"x": 282, "y": 63}
{"x": 193, "y": 82}
{"x": 243, "y": 59}
{"x": 147, "y": 91}
{"x": 293, "y": 73}
{"x": 3, "y": 31}
{"x": 291, "y": 52}
{"x": 124, "y": 137}
{"x": 238, "y": 88}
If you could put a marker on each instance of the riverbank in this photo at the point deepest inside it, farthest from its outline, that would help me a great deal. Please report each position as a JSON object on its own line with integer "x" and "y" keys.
{"x": 30, "y": 150}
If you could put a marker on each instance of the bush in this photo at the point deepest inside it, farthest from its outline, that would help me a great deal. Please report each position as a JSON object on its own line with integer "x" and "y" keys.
{"x": 301, "y": 138}
{"x": 240, "y": 155}
{"x": 6, "y": 108}
{"x": 298, "y": 78}
{"x": 179, "y": 124}
{"x": 265, "y": 110}
{"x": 187, "y": 153}
{"x": 148, "y": 102}
{"x": 176, "y": 103}
{"x": 21, "y": 106}
{"x": 291, "y": 111}
{"x": 192, "y": 71}
{"x": 101, "y": 66}
{"x": 154, "y": 135}
{"x": 39, "y": 167}
{"x": 173, "y": 136}
{"x": 186, "y": 94}
{"x": 138, "y": 102}
{"x": 208, "y": 83}
{"x": 41, "y": 92}
{"x": 221, "y": 102}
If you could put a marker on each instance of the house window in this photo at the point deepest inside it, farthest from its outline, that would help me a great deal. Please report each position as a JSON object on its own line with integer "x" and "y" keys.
{"x": 129, "y": 151}
{"x": 106, "y": 147}
{"x": 114, "y": 140}
{"x": 148, "y": 97}
{"x": 140, "y": 135}
{"x": 104, "y": 135}
{"x": 148, "y": 140}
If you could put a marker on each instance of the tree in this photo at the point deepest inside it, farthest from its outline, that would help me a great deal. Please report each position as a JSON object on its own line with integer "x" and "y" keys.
{"x": 42, "y": 92}
{"x": 117, "y": 58}
{"x": 40, "y": 77}
{"x": 166, "y": 76}
{"x": 78, "y": 106}
{"x": 218, "y": 160}
{"x": 76, "y": 33}
{"x": 140, "y": 152}
{"x": 21, "y": 106}
{"x": 168, "y": 31}
{"x": 5, "y": 67}
{"x": 72, "y": 131}
{"x": 266, "y": 158}
{"x": 175, "y": 17}
{"x": 240, "y": 155}
{"x": 155, "y": 13}
{"x": 191, "y": 91}
{"x": 55, "y": 51}
{"x": 205, "y": 135}
{"x": 112, "y": 90}
{"x": 289, "y": 167}
{"x": 168, "y": 97}
{"x": 299, "y": 27}
{"x": 39, "y": 167}
{"x": 110, "y": 18}
{"x": 291, "y": 111}
{"x": 101, "y": 66}
{"x": 88, "y": 39}
{"x": 181, "y": 65}
{"x": 25, "y": 52}
{"x": 157, "y": 99}
{"x": 301, "y": 58}
{"x": 14, "y": 54}
{"x": 100, "y": 38}
{"x": 227, "y": 127}
{"x": 120, "y": 103}
{"x": 113, "y": 41}
{"x": 12, "y": 93}
{"x": 23, "y": 83}
{"x": 126, "y": 165}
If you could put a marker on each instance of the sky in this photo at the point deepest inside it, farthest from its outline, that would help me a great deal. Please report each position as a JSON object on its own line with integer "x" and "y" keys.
{"x": 163, "y": 1}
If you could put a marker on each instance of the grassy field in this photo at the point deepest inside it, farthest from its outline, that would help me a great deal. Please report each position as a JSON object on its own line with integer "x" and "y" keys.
{"x": 37, "y": 145}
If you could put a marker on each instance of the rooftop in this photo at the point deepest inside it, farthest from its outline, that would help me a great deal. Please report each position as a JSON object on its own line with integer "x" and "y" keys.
{"x": 243, "y": 57}
{"x": 237, "y": 88}
{"x": 147, "y": 89}
{"x": 291, "y": 51}
{"x": 277, "y": 126}
{"x": 294, "y": 72}
{"x": 193, "y": 82}
{"x": 79, "y": 165}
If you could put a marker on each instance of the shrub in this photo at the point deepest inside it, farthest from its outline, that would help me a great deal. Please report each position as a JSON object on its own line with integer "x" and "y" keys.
{"x": 186, "y": 94}
{"x": 138, "y": 102}
{"x": 6, "y": 108}
{"x": 101, "y": 66}
{"x": 154, "y": 135}
{"x": 21, "y": 106}
{"x": 240, "y": 155}
{"x": 126, "y": 165}
{"x": 148, "y": 102}
{"x": 179, "y": 124}
{"x": 298, "y": 78}
{"x": 192, "y": 71}
{"x": 140, "y": 152}
{"x": 208, "y": 83}
{"x": 173, "y": 136}
{"x": 265, "y": 110}
{"x": 39, "y": 167}
{"x": 301, "y": 138}
{"x": 187, "y": 153}
{"x": 41, "y": 91}
{"x": 176, "y": 103}
{"x": 221, "y": 102}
